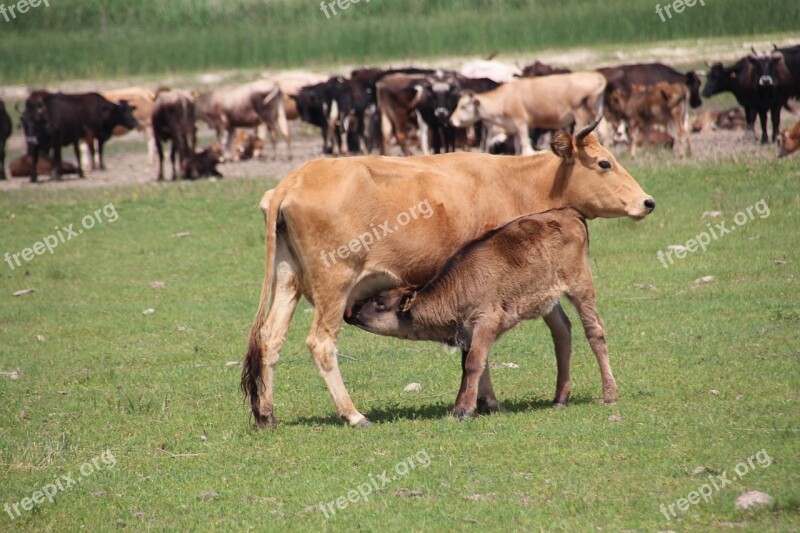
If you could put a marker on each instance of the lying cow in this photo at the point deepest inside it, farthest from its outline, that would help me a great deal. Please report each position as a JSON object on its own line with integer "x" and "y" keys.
{"x": 556, "y": 102}
{"x": 204, "y": 163}
{"x": 347, "y": 207}
{"x": 22, "y": 167}
{"x": 513, "y": 273}
{"x": 246, "y": 146}
{"x": 789, "y": 141}
{"x": 729, "y": 119}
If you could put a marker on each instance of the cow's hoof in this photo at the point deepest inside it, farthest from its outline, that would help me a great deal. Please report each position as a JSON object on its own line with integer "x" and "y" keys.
{"x": 488, "y": 406}
{"x": 462, "y": 413}
{"x": 266, "y": 421}
{"x": 559, "y": 405}
{"x": 363, "y": 424}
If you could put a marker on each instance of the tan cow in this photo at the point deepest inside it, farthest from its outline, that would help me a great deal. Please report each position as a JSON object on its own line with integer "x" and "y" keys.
{"x": 550, "y": 102}
{"x": 665, "y": 104}
{"x": 789, "y": 141}
{"x": 247, "y": 146}
{"x": 290, "y": 82}
{"x": 516, "y": 272}
{"x": 141, "y": 100}
{"x": 340, "y": 230}
{"x": 245, "y": 106}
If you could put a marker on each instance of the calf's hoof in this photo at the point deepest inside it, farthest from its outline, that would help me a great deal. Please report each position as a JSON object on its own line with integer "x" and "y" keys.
{"x": 358, "y": 421}
{"x": 462, "y": 413}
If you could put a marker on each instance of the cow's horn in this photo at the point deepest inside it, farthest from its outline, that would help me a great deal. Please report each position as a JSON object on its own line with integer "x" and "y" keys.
{"x": 589, "y": 129}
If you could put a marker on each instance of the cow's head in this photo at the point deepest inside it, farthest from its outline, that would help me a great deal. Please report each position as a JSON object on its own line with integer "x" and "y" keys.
{"x": 716, "y": 80}
{"x": 34, "y": 120}
{"x": 388, "y": 313}
{"x": 443, "y": 89}
{"x": 693, "y": 83}
{"x": 591, "y": 180}
{"x": 467, "y": 111}
{"x": 123, "y": 115}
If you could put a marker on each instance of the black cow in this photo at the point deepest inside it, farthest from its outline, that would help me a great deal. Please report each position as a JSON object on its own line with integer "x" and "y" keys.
{"x": 791, "y": 56}
{"x": 538, "y": 68}
{"x": 761, "y": 84}
{"x": 53, "y": 120}
{"x": 5, "y": 133}
{"x": 313, "y": 109}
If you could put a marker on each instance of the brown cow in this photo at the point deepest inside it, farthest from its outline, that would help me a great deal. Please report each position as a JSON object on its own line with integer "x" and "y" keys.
{"x": 245, "y": 106}
{"x": 398, "y": 95}
{"x": 516, "y": 272}
{"x": 789, "y": 141}
{"x": 552, "y": 102}
{"x": 203, "y": 163}
{"x": 173, "y": 120}
{"x": 663, "y": 103}
{"x": 335, "y": 207}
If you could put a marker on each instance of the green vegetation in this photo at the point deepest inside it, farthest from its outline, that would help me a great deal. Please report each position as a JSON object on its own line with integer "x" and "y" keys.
{"x": 157, "y": 392}
{"x": 91, "y": 38}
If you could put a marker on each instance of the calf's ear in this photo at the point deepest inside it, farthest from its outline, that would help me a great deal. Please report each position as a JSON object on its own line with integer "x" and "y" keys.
{"x": 562, "y": 147}
{"x": 407, "y": 300}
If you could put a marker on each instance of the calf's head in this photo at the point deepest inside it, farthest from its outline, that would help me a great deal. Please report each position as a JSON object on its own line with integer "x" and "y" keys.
{"x": 467, "y": 111}
{"x": 591, "y": 180}
{"x": 388, "y": 313}
{"x": 787, "y": 143}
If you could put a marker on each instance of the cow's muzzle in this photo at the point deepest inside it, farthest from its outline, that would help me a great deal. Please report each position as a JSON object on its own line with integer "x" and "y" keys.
{"x": 766, "y": 81}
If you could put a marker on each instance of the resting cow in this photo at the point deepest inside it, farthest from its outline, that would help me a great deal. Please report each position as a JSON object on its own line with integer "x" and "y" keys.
{"x": 330, "y": 237}
{"x": 789, "y": 141}
{"x": 516, "y": 272}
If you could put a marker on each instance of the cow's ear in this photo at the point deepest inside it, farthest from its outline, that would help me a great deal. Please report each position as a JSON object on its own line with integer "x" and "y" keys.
{"x": 562, "y": 146}
{"x": 406, "y": 301}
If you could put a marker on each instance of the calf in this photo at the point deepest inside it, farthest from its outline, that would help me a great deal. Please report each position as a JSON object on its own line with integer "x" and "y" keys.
{"x": 203, "y": 163}
{"x": 512, "y": 273}
{"x": 789, "y": 141}
{"x": 173, "y": 120}
{"x": 663, "y": 103}
{"x": 247, "y": 145}
{"x": 22, "y": 167}
{"x": 5, "y": 133}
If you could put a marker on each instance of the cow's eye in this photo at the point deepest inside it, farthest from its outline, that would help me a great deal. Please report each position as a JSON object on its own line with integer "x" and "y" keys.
{"x": 605, "y": 165}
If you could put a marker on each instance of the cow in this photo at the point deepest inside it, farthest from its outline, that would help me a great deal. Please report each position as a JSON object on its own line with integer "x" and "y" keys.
{"x": 53, "y": 120}
{"x": 728, "y": 119}
{"x": 623, "y": 77}
{"x": 247, "y": 146}
{"x": 791, "y": 57}
{"x": 789, "y": 141}
{"x": 664, "y": 104}
{"x": 441, "y": 92}
{"x": 312, "y": 107}
{"x": 325, "y": 238}
{"x": 173, "y": 120}
{"x": 537, "y": 68}
{"x": 559, "y": 101}
{"x": 290, "y": 83}
{"x": 516, "y": 272}
{"x": 398, "y": 95}
{"x": 203, "y": 163}
{"x": 141, "y": 101}
{"x": 22, "y": 167}
{"x": 5, "y": 132}
{"x": 761, "y": 84}
{"x": 348, "y": 100}
{"x": 245, "y": 106}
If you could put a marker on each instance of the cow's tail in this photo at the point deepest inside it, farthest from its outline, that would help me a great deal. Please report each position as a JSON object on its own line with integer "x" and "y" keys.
{"x": 283, "y": 123}
{"x": 253, "y": 360}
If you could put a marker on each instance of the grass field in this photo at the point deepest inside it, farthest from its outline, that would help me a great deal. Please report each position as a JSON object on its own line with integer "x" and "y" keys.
{"x": 115, "y": 38}
{"x": 157, "y": 393}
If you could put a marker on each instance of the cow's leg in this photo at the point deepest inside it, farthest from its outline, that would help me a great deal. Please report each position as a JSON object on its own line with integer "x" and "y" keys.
{"x": 561, "y": 331}
{"x": 487, "y": 401}
{"x": 524, "y": 139}
{"x": 2, "y": 160}
{"x": 100, "y": 154}
{"x": 273, "y": 138}
{"x": 77, "y": 149}
{"x": 321, "y": 343}
{"x": 750, "y": 122}
{"x": 151, "y": 144}
{"x": 160, "y": 152}
{"x": 775, "y": 115}
{"x": 273, "y": 333}
{"x": 762, "y": 117}
{"x": 424, "y": 135}
{"x": 473, "y": 367}
{"x": 584, "y": 302}
{"x": 173, "y": 150}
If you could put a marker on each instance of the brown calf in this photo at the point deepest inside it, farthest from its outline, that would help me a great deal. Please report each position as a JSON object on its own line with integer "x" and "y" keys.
{"x": 513, "y": 273}
{"x": 665, "y": 104}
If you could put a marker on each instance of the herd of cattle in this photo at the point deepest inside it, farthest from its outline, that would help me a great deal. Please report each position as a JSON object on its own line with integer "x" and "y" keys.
{"x": 498, "y": 107}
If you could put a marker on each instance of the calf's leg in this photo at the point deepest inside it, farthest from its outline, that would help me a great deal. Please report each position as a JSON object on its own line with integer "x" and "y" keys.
{"x": 473, "y": 367}
{"x": 561, "y": 331}
{"x": 584, "y": 302}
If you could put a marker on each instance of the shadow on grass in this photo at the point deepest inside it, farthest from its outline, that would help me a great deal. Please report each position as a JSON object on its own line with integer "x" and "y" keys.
{"x": 437, "y": 410}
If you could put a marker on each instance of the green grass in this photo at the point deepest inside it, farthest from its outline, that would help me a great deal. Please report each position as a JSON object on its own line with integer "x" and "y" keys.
{"x": 113, "y": 38}
{"x": 155, "y": 390}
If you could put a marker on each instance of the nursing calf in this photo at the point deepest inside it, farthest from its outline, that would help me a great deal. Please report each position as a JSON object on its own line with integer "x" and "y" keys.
{"x": 513, "y": 273}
